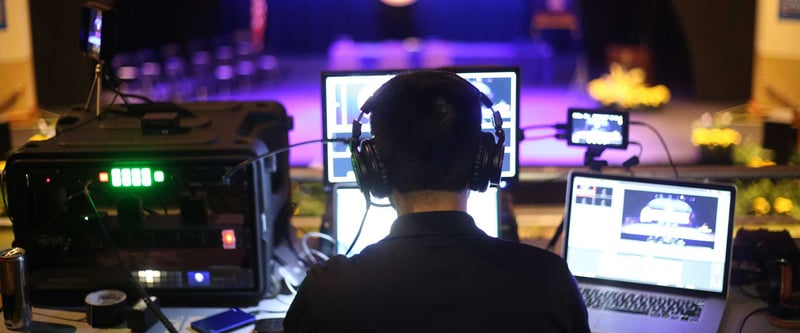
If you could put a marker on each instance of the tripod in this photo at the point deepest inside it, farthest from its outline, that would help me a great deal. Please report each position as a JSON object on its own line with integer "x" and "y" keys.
{"x": 97, "y": 87}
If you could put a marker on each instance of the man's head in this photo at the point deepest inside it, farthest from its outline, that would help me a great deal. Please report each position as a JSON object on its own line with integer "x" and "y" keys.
{"x": 427, "y": 131}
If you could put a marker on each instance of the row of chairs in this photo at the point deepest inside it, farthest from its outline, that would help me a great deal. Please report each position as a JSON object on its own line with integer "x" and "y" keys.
{"x": 194, "y": 71}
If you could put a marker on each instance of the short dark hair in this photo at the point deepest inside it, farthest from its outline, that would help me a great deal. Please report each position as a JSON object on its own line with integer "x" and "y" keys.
{"x": 426, "y": 127}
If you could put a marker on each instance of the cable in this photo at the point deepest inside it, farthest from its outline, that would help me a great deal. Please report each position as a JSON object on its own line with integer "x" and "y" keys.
{"x": 284, "y": 302}
{"x": 308, "y": 251}
{"x": 290, "y": 287}
{"x": 125, "y": 95}
{"x": 542, "y": 137}
{"x": 522, "y": 130}
{"x": 226, "y": 177}
{"x": 641, "y": 147}
{"x": 113, "y": 81}
{"x": 360, "y": 227}
{"x": 663, "y": 144}
{"x": 554, "y": 239}
{"x": 538, "y": 126}
{"x": 741, "y": 326}
{"x": 319, "y": 253}
{"x": 139, "y": 289}
{"x": 633, "y": 160}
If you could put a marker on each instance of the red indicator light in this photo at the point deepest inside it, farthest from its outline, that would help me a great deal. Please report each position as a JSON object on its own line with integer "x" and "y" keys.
{"x": 47, "y": 180}
{"x": 102, "y": 177}
{"x": 228, "y": 239}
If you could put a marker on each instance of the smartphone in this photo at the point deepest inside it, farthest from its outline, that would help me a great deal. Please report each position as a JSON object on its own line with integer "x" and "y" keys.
{"x": 269, "y": 325}
{"x": 223, "y": 321}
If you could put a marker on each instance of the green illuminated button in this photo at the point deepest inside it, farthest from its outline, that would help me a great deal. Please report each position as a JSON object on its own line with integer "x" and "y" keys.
{"x": 116, "y": 177}
{"x": 136, "y": 177}
{"x": 126, "y": 177}
{"x": 147, "y": 178}
{"x": 158, "y": 176}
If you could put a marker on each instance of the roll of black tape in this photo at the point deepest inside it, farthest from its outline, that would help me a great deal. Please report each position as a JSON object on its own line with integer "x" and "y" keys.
{"x": 105, "y": 308}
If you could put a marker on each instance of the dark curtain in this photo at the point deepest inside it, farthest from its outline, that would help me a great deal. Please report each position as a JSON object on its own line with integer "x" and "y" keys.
{"x": 309, "y": 26}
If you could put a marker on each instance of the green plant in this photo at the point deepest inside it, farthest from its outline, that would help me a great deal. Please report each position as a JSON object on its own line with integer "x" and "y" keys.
{"x": 309, "y": 198}
{"x": 781, "y": 197}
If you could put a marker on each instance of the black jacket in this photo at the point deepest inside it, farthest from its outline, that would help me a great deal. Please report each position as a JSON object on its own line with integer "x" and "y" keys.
{"x": 437, "y": 272}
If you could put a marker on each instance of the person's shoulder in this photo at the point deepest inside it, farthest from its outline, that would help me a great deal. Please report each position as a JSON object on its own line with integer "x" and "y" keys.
{"x": 336, "y": 265}
{"x": 343, "y": 267}
{"x": 334, "y": 274}
{"x": 524, "y": 251}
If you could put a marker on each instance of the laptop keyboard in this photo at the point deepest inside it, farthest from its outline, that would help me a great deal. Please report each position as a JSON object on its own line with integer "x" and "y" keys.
{"x": 651, "y": 305}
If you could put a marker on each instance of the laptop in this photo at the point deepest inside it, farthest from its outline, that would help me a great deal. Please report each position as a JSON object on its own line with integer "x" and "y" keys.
{"x": 343, "y": 93}
{"x": 635, "y": 242}
{"x": 349, "y": 206}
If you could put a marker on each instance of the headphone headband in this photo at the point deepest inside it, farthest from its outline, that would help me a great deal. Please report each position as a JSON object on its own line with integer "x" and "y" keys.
{"x": 371, "y": 174}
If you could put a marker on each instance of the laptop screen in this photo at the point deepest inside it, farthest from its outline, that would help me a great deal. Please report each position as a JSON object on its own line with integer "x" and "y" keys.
{"x": 344, "y": 92}
{"x": 349, "y": 210}
{"x": 653, "y": 232}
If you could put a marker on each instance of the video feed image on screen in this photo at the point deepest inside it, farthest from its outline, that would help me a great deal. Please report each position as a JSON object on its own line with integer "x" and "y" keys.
{"x": 344, "y": 96}
{"x": 95, "y": 35}
{"x": 670, "y": 219}
{"x": 501, "y": 90}
{"x": 597, "y": 129}
{"x": 345, "y": 93}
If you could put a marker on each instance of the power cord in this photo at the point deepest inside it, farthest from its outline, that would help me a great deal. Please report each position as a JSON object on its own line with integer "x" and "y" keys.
{"x": 741, "y": 326}
{"x": 142, "y": 293}
{"x": 663, "y": 144}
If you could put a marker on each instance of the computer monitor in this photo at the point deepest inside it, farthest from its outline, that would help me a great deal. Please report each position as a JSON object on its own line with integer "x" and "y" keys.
{"x": 349, "y": 206}
{"x": 344, "y": 92}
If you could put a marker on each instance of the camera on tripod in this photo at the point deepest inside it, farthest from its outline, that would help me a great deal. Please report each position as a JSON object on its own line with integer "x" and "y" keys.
{"x": 98, "y": 29}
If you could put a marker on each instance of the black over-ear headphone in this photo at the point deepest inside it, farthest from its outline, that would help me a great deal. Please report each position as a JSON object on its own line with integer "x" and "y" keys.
{"x": 371, "y": 173}
{"x": 784, "y": 309}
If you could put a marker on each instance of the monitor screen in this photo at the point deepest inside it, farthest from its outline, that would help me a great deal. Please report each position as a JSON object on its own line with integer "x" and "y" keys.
{"x": 590, "y": 127}
{"x": 484, "y": 207}
{"x": 343, "y": 93}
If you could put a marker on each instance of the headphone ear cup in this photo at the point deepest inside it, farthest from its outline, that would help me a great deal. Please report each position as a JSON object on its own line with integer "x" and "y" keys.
{"x": 479, "y": 180}
{"x": 370, "y": 171}
{"x": 496, "y": 164}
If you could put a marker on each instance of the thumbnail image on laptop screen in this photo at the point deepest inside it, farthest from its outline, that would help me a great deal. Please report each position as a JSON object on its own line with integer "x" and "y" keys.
{"x": 653, "y": 232}
{"x": 350, "y": 205}
{"x": 344, "y": 92}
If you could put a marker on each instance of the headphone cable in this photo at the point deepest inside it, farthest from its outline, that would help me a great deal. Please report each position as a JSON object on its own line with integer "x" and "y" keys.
{"x": 226, "y": 177}
{"x": 360, "y": 227}
{"x": 363, "y": 220}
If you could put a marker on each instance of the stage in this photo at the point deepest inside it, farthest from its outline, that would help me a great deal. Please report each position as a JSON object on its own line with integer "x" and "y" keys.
{"x": 542, "y": 102}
